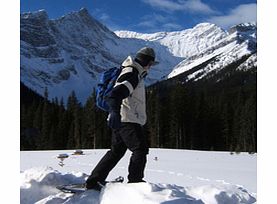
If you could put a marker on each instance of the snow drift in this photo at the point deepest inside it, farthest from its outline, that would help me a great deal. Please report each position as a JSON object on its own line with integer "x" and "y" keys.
{"x": 38, "y": 185}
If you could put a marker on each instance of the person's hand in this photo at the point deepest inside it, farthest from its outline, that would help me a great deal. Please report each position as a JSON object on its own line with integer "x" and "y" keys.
{"x": 114, "y": 120}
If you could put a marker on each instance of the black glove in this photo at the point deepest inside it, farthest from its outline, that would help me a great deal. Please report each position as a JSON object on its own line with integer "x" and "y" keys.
{"x": 114, "y": 120}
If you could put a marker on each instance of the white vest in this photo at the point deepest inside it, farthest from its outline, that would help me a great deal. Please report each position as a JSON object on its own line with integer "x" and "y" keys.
{"x": 133, "y": 108}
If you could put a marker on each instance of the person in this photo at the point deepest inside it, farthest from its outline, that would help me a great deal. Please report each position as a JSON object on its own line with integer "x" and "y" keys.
{"x": 127, "y": 115}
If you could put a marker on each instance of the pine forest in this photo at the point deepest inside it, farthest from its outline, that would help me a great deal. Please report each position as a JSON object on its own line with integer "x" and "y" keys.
{"x": 211, "y": 114}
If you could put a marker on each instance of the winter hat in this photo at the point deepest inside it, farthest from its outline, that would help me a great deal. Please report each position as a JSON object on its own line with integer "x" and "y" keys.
{"x": 146, "y": 55}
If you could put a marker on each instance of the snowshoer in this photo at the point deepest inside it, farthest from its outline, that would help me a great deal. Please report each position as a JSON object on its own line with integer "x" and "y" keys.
{"x": 127, "y": 115}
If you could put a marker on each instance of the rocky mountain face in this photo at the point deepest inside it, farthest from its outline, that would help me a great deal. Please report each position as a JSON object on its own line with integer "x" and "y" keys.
{"x": 64, "y": 53}
{"x": 68, "y": 53}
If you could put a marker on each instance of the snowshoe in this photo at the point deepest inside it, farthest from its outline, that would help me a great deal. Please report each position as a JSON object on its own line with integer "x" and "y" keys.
{"x": 81, "y": 187}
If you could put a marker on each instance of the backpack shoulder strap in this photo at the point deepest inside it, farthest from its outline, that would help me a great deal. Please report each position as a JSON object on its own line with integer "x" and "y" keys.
{"x": 140, "y": 75}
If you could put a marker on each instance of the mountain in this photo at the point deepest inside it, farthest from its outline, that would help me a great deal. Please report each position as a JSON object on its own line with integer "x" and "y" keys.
{"x": 238, "y": 47}
{"x": 207, "y": 45}
{"x": 68, "y": 53}
{"x": 202, "y": 96}
{"x": 183, "y": 43}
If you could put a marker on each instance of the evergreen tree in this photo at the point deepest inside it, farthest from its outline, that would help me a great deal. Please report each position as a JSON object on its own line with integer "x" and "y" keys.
{"x": 74, "y": 109}
{"x": 153, "y": 123}
{"x": 62, "y": 129}
{"x": 200, "y": 140}
{"x": 70, "y": 140}
{"x": 46, "y": 94}
{"x": 227, "y": 116}
{"x": 89, "y": 128}
{"x": 176, "y": 116}
{"x": 37, "y": 121}
{"x": 46, "y": 125}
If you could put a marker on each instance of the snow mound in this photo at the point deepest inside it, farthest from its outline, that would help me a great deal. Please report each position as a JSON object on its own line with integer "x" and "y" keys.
{"x": 40, "y": 182}
{"x": 38, "y": 185}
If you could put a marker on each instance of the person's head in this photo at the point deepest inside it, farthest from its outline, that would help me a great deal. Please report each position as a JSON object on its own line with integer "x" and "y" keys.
{"x": 146, "y": 57}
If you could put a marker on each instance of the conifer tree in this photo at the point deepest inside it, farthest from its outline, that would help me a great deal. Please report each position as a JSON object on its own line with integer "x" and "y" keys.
{"x": 37, "y": 121}
{"x": 62, "y": 129}
{"x": 89, "y": 127}
{"x": 153, "y": 125}
{"x": 45, "y": 128}
{"x": 70, "y": 140}
{"x": 74, "y": 109}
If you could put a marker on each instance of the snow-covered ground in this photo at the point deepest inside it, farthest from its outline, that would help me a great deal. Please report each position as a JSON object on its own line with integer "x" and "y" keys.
{"x": 174, "y": 177}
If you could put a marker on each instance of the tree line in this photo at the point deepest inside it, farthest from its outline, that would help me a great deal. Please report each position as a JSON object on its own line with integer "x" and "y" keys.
{"x": 204, "y": 115}
{"x": 48, "y": 125}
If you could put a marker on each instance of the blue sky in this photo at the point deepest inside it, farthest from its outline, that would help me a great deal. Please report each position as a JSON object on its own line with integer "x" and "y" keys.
{"x": 148, "y": 16}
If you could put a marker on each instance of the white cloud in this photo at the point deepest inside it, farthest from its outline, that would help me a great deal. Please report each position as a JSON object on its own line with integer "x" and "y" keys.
{"x": 172, "y": 26}
{"x": 241, "y": 14}
{"x": 193, "y": 6}
{"x": 104, "y": 17}
{"x": 157, "y": 22}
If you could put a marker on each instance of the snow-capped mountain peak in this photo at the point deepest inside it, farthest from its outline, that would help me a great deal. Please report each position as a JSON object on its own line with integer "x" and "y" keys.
{"x": 40, "y": 14}
{"x": 67, "y": 54}
{"x": 240, "y": 42}
{"x": 244, "y": 27}
{"x": 85, "y": 22}
{"x": 183, "y": 43}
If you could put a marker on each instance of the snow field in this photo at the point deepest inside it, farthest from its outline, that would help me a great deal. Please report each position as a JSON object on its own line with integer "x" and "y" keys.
{"x": 174, "y": 176}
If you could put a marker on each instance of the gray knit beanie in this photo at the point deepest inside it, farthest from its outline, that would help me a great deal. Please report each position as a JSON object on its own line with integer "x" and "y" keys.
{"x": 146, "y": 55}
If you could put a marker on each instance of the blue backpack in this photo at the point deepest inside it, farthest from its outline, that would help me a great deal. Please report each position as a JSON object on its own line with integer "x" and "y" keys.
{"x": 106, "y": 83}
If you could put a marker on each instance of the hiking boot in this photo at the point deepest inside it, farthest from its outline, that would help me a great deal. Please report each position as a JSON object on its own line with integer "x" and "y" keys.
{"x": 94, "y": 186}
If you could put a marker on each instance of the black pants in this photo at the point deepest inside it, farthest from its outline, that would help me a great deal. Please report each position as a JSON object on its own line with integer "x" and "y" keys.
{"x": 130, "y": 136}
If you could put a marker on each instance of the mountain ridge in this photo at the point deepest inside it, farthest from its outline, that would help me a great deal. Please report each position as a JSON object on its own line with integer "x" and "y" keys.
{"x": 67, "y": 54}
